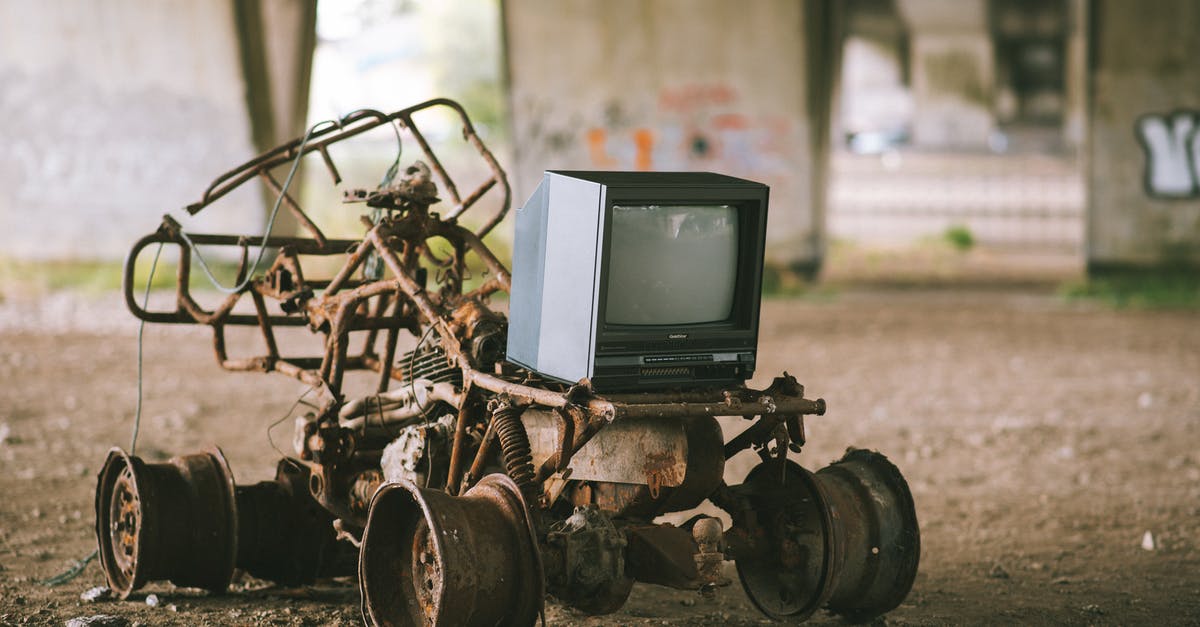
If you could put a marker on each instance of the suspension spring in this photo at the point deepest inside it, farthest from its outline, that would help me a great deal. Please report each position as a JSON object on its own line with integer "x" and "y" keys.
{"x": 518, "y": 459}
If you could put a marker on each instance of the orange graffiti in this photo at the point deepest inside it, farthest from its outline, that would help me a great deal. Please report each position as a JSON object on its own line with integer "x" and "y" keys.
{"x": 597, "y": 138}
{"x": 643, "y": 139}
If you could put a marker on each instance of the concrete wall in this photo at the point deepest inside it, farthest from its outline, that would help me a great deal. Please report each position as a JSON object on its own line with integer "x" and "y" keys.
{"x": 114, "y": 113}
{"x": 1144, "y": 153}
{"x": 674, "y": 85}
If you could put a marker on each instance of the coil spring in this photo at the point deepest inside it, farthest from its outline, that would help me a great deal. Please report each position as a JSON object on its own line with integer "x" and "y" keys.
{"x": 514, "y": 444}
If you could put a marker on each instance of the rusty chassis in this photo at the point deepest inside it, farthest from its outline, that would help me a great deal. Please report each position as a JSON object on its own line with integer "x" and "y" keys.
{"x": 411, "y": 272}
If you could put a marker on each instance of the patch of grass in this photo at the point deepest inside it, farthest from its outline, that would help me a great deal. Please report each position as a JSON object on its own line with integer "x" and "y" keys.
{"x": 782, "y": 282}
{"x": 959, "y": 237}
{"x": 1171, "y": 288}
{"x": 99, "y": 276}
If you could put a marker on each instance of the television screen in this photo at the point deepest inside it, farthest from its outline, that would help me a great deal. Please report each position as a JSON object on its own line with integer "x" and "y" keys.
{"x": 672, "y": 264}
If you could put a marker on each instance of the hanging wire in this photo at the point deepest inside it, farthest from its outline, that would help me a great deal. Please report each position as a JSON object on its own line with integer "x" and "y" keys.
{"x": 412, "y": 380}
{"x": 80, "y": 565}
{"x": 72, "y": 572}
{"x": 285, "y": 416}
{"x": 262, "y": 247}
{"x": 137, "y": 414}
{"x": 373, "y": 266}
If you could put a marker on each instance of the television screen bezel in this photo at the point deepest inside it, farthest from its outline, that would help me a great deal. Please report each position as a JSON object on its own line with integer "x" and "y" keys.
{"x": 750, "y": 200}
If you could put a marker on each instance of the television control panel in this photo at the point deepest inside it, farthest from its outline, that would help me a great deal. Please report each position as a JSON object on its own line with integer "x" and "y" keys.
{"x": 685, "y": 370}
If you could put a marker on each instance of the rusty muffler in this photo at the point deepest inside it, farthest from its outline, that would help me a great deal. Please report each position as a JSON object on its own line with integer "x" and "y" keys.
{"x": 185, "y": 521}
{"x": 845, "y": 538}
{"x": 175, "y": 520}
{"x": 428, "y": 558}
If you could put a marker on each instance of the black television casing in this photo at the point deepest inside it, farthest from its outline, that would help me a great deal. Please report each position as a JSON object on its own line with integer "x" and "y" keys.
{"x": 557, "y": 326}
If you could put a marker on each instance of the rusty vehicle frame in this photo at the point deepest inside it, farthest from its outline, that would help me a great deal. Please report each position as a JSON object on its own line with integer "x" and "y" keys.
{"x": 861, "y": 552}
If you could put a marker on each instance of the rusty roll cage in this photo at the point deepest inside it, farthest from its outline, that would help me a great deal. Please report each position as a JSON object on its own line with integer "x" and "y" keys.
{"x": 355, "y": 123}
{"x": 344, "y": 305}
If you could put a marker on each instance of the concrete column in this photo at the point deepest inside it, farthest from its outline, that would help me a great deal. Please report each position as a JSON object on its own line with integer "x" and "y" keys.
{"x": 276, "y": 39}
{"x": 117, "y": 112}
{"x": 1144, "y": 134}
{"x": 739, "y": 88}
{"x": 952, "y": 72}
{"x": 1075, "y": 82}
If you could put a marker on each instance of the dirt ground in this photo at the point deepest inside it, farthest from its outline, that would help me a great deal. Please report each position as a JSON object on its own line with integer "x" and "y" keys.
{"x": 1042, "y": 441}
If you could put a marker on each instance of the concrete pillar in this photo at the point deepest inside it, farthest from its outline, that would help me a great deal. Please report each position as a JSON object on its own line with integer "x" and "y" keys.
{"x": 1075, "y": 82}
{"x": 117, "y": 112}
{"x": 737, "y": 88}
{"x": 1144, "y": 148}
{"x": 276, "y": 39}
{"x": 952, "y": 72}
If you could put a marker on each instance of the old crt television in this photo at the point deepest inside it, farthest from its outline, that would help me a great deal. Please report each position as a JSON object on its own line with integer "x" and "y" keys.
{"x": 638, "y": 280}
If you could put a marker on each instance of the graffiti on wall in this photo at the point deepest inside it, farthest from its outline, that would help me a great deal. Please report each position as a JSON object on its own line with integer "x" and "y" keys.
{"x": 694, "y": 126}
{"x": 705, "y": 126}
{"x": 1171, "y": 142}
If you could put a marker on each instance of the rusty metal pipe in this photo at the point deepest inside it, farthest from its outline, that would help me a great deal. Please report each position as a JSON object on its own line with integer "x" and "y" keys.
{"x": 458, "y": 451}
{"x": 399, "y": 404}
{"x": 606, "y": 409}
{"x": 481, "y": 458}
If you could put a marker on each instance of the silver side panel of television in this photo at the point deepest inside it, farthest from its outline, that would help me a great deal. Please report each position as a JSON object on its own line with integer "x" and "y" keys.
{"x": 552, "y": 312}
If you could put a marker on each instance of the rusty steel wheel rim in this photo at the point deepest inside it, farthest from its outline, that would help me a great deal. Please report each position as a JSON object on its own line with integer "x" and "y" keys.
{"x": 774, "y": 584}
{"x": 121, "y": 525}
{"x": 125, "y": 523}
{"x": 427, "y": 569}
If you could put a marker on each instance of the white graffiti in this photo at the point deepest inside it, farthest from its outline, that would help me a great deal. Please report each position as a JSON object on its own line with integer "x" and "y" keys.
{"x": 1172, "y": 145}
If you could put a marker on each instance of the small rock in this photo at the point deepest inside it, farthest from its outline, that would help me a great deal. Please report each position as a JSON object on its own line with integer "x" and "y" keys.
{"x": 99, "y": 593}
{"x": 998, "y": 572}
{"x": 688, "y": 602}
{"x": 152, "y": 600}
{"x": 1062, "y": 581}
{"x": 99, "y": 620}
{"x": 1145, "y": 400}
{"x": 171, "y": 607}
{"x": 1147, "y": 541}
{"x": 4, "y": 431}
{"x": 1092, "y": 608}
